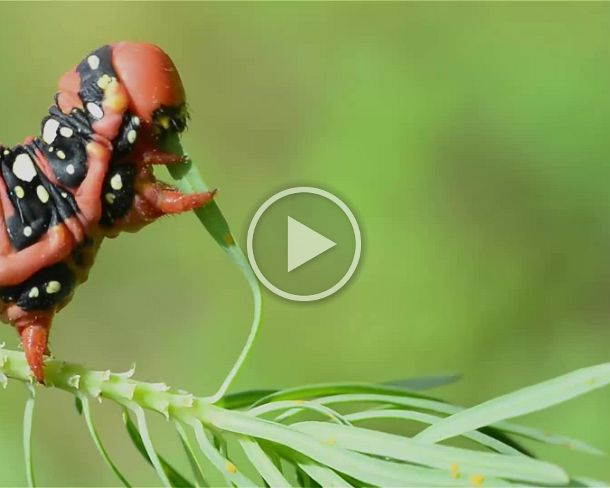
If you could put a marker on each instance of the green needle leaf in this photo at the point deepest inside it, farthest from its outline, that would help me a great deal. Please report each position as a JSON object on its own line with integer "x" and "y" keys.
{"x": 141, "y": 439}
{"x": 324, "y": 476}
{"x": 148, "y": 445}
{"x": 293, "y": 407}
{"x": 324, "y": 389}
{"x": 479, "y": 437}
{"x": 261, "y": 462}
{"x": 587, "y": 482}
{"x": 189, "y": 180}
{"x": 378, "y": 472}
{"x": 83, "y": 401}
{"x": 458, "y": 460}
{"x": 28, "y": 415}
{"x": 448, "y": 409}
{"x": 228, "y": 470}
{"x": 190, "y": 454}
{"x": 243, "y": 399}
{"x": 521, "y": 402}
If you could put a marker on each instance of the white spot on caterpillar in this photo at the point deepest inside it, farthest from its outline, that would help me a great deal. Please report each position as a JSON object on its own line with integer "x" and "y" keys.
{"x": 136, "y": 121}
{"x": 53, "y": 287}
{"x": 23, "y": 167}
{"x": 34, "y": 292}
{"x": 43, "y": 194}
{"x": 132, "y": 135}
{"x": 93, "y": 61}
{"x": 95, "y": 110}
{"x": 49, "y": 131}
{"x": 6, "y": 152}
{"x": 64, "y": 194}
{"x": 116, "y": 182}
{"x": 19, "y": 191}
{"x": 70, "y": 169}
{"x": 27, "y": 231}
{"x": 110, "y": 198}
{"x": 61, "y": 154}
{"x": 66, "y": 132}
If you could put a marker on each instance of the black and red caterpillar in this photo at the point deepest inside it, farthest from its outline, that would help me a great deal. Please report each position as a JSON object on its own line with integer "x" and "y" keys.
{"x": 87, "y": 176}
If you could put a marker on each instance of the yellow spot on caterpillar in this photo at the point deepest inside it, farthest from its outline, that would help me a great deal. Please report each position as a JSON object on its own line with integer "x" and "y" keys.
{"x": 53, "y": 287}
{"x": 34, "y": 292}
{"x": 231, "y": 467}
{"x": 477, "y": 480}
{"x": 95, "y": 150}
{"x": 103, "y": 81}
{"x": 331, "y": 441}
{"x": 61, "y": 154}
{"x": 110, "y": 198}
{"x": 115, "y": 97}
{"x": 20, "y": 192}
{"x": 455, "y": 471}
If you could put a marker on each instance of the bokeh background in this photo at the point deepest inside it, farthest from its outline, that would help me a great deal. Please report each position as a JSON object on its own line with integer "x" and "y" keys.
{"x": 470, "y": 139}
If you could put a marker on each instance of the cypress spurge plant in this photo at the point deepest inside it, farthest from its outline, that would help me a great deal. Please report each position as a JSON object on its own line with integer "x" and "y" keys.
{"x": 316, "y": 435}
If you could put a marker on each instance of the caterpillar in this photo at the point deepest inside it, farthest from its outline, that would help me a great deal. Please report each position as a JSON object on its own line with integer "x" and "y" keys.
{"x": 87, "y": 176}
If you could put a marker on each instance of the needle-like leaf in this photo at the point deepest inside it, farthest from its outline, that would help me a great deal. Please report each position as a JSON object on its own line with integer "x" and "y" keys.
{"x": 83, "y": 401}
{"x": 28, "y": 416}
{"x": 521, "y": 402}
{"x": 141, "y": 439}
{"x": 188, "y": 179}
{"x": 190, "y": 454}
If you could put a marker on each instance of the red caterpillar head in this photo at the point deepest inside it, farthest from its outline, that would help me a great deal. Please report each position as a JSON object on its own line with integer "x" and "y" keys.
{"x": 147, "y": 85}
{"x": 150, "y": 78}
{"x": 133, "y": 96}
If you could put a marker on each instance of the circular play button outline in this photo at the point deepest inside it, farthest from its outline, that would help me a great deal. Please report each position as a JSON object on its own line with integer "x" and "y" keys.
{"x": 357, "y": 248}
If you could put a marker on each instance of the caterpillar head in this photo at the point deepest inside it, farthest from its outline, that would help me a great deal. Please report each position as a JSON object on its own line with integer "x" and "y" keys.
{"x": 136, "y": 77}
{"x": 156, "y": 94}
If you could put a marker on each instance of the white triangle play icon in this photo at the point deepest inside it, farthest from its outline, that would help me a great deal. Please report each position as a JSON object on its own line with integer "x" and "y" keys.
{"x": 304, "y": 244}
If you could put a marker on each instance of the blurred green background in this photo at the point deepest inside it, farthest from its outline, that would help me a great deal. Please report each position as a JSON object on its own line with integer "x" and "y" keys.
{"x": 472, "y": 142}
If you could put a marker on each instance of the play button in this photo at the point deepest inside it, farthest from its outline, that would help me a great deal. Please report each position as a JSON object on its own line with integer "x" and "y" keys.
{"x": 304, "y": 244}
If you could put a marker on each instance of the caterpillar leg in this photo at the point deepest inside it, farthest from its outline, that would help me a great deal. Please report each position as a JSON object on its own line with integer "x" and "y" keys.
{"x": 158, "y": 156}
{"x": 154, "y": 199}
{"x": 33, "y": 327}
{"x": 164, "y": 199}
